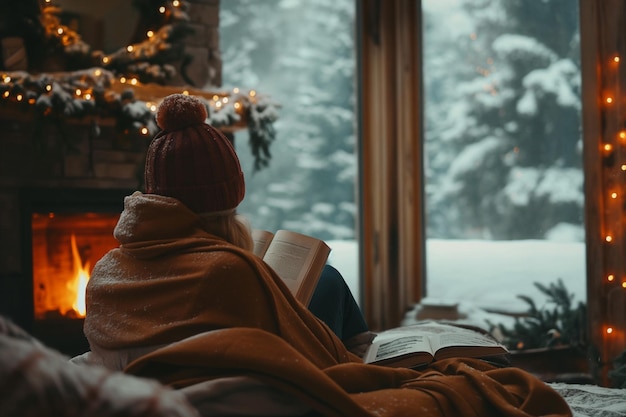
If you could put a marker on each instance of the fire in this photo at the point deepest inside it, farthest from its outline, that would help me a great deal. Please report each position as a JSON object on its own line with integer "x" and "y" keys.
{"x": 78, "y": 284}
{"x": 64, "y": 249}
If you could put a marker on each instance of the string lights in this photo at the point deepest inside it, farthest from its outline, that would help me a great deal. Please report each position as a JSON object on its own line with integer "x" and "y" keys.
{"x": 607, "y": 301}
{"x": 14, "y": 87}
{"x": 118, "y": 80}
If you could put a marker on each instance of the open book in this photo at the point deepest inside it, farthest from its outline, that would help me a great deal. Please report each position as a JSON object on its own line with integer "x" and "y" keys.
{"x": 419, "y": 344}
{"x": 298, "y": 259}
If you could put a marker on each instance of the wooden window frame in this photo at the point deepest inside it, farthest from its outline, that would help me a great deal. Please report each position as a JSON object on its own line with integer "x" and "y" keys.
{"x": 602, "y": 39}
{"x": 391, "y": 158}
{"x": 392, "y": 232}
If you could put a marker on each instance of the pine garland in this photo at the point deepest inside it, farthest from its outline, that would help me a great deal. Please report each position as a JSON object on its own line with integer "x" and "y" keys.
{"x": 108, "y": 85}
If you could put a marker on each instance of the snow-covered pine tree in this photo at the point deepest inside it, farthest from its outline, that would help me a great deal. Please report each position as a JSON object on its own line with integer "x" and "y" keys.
{"x": 302, "y": 54}
{"x": 504, "y": 154}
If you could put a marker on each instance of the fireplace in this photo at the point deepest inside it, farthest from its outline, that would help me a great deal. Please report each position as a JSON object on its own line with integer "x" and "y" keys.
{"x": 65, "y": 247}
{"x": 66, "y": 231}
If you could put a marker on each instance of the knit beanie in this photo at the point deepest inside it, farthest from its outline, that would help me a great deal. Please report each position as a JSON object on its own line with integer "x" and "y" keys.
{"x": 191, "y": 160}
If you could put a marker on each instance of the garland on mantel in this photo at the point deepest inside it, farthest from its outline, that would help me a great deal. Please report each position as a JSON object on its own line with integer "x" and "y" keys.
{"x": 126, "y": 85}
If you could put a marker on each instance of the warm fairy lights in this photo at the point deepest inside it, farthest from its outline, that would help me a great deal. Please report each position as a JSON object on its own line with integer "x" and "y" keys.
{"x": 14, "y": 87}
{"x": 75, "y": 95}
{"x": 613, "y": 222}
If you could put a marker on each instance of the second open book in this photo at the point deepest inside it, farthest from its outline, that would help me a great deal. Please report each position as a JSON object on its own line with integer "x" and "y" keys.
{"x": 298, "y": 259}
{"x": 419, "y": 344}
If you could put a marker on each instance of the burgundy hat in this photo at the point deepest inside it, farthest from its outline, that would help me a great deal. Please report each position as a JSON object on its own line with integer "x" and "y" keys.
{"x": 191, "y": 160}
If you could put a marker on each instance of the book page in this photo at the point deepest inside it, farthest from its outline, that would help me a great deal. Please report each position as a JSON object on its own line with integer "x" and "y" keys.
{"x": 261, "y": 239}
{"x": 395, "y": 347}
{"x": 298, "y": 259}
{"x": 402, "y": 345}
{"x": 445, "y": 336}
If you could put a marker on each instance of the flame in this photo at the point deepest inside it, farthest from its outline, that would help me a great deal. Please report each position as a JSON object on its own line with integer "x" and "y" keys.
{"x": 78, "y": 285}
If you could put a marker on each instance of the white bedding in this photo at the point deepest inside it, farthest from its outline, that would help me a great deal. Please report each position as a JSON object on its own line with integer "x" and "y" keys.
{"x": 593, "y": 401}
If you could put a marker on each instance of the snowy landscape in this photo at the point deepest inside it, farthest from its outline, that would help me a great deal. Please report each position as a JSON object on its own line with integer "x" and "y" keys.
{"x": 503, "y": 179}
{"x": 485, "y": 275}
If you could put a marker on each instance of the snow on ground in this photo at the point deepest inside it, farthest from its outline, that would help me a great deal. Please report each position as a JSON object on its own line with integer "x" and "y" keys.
{"x": 485, "y": 275}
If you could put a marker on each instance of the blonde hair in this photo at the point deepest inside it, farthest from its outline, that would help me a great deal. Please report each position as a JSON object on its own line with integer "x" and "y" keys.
{"x": 230, "y": 226}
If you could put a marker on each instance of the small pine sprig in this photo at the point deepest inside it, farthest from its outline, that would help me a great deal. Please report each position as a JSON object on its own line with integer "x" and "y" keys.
{"x": 559, "y": 322}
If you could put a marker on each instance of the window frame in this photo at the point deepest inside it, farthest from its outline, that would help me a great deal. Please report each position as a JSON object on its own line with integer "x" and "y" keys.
{"x": 392, "y": 243}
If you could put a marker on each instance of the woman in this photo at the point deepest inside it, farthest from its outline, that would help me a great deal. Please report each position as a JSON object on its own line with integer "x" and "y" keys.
{"x": 184, "y": 300}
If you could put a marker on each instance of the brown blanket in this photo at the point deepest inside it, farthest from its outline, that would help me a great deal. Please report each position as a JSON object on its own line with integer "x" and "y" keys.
{"x": 170, "y": 283}
{"x": 456, "y": 387}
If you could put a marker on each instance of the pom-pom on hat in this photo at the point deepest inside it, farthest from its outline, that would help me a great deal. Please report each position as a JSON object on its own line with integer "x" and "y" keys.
{"x": 191, "y": 160}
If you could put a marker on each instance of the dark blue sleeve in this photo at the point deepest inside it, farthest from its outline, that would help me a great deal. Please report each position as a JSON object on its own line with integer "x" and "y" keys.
{"x": 334, "y": 304}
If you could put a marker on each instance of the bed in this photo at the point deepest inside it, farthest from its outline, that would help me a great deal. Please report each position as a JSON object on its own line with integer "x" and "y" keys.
{"x": 38, "y": 381}
{"x": 593, "y": 401}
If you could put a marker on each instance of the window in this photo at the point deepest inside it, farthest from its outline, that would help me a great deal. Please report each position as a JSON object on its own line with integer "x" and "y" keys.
{"x": 503, "y": 150}
{"x": 502, "y": 141}
{"x": 301, "y": 55}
